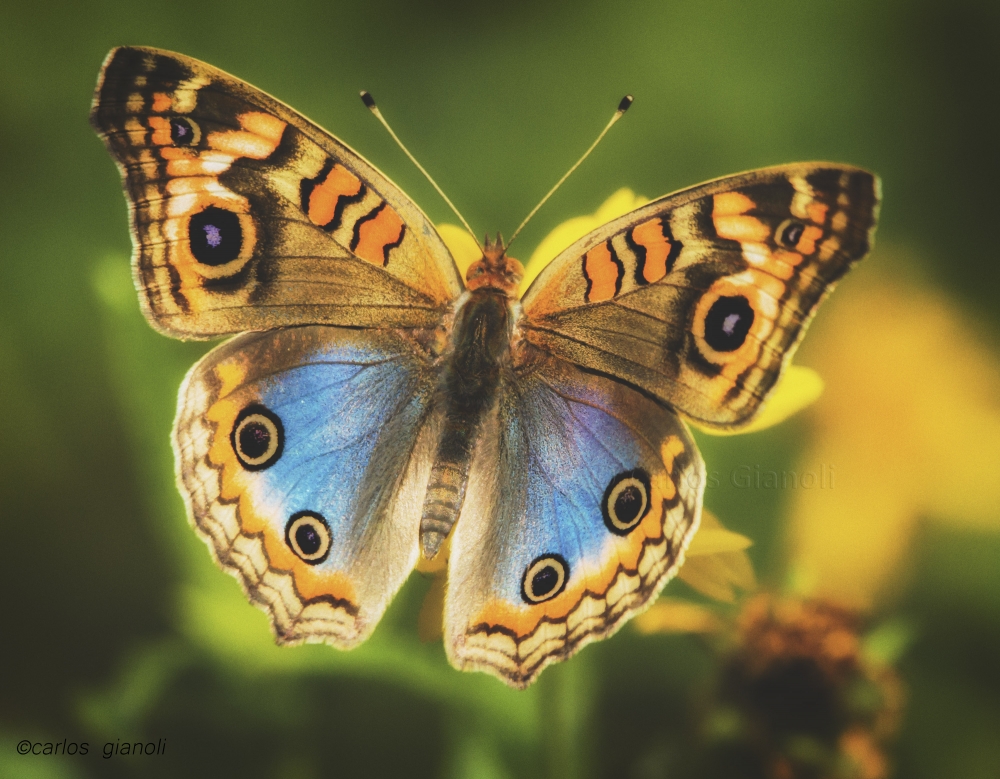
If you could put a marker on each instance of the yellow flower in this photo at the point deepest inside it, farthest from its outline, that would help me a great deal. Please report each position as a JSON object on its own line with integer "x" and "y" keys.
{"x": 463, "y": 247}
{"x": 798, "y": 387}
{"x": 909, "y": 426}
{"x": 716, "y": 562}
{"x": 619, "y": 204}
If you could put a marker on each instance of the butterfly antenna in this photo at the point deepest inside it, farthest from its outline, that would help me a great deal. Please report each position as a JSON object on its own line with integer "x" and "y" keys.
{"x": 622, "y": 108}
{"x": 369, "y": 101}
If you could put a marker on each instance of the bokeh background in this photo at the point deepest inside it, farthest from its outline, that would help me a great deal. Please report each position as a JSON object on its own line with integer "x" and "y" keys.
{"x": 117, "y": 626}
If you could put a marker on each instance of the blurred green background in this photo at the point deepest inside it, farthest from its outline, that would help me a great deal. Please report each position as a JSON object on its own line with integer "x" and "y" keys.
{"x": 116, "y": 625}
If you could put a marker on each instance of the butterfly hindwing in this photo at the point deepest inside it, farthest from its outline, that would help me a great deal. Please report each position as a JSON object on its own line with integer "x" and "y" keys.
{"x": 700, "y": 297}
{"x": 247, "y": 216}
{"x": 582, "y": 498}
{"x": 303, "y": 454}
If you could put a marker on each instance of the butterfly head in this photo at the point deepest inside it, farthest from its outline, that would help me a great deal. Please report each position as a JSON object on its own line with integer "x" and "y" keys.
{"x": 495, "y": 270}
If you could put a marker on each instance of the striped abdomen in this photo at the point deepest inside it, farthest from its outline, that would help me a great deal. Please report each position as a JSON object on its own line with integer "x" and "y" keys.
{"x": 445, "y": 489}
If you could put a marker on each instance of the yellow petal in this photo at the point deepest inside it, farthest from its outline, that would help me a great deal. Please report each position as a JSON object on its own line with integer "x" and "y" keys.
{"x": 718, "y": 564}
{"x": 909, "y": 428}
{"x": 798, "y": 387}
{"x": 713, "y": 538}
{"x": 620, "y": 203}
{"x": 463, "y": 247}
{"x": 430, "y": 622}
{"x": 670, "y": 615}
{"x": 438, "y": 563}
{"x": 717, "y": 576}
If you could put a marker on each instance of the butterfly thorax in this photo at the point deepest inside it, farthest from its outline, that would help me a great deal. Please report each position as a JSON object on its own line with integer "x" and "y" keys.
{"x": 480, "y": 352}
{"x": 481, "y": 345}
{"x": 495, "y": 270}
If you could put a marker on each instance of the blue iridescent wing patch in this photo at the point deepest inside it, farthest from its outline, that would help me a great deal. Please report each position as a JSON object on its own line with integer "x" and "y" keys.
{"x": 580, "y": 504}
{"x": 304, "y": 453}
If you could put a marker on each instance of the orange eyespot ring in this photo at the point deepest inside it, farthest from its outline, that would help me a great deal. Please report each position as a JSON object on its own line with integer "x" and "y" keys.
{"x": 220, "y": 239}
{"x": 728, "y": 323}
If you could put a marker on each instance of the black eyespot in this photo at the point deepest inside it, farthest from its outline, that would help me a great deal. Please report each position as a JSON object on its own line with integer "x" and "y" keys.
{"x": 258, "y": 438}
{"x": 184, "y": 132}
{"x": 626, "y": 501}
{"x": 216, "y": 236}
{"x": 545, "y": 578}
{"x": 308, "y": 535}
{"x": 789, "y": 232}
{"x": 727, "y": 323}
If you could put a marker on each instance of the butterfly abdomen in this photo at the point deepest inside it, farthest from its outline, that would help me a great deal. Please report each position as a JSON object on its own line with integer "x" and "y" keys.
{"x": 481, "y": 344}
{"x": 443, "y": 501}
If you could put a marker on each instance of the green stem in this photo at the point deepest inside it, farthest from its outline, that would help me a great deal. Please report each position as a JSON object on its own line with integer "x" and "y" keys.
{"x": 567, "y": 693}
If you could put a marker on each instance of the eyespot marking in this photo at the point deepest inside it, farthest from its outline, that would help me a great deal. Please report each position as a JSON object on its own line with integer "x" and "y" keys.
{"x": 727, "y": 323}
{"x": 216, "y": 236}
{"x": 788, "y": 233}
{"x": 545, "y": 578}
{"x": 258, "y": 438}
{"x": 184, "y": 131}
{"x": 626, "y": 501}
{"x": 308, "y": 536}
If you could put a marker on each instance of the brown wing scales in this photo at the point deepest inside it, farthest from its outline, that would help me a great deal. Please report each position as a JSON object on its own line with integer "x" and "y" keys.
{"x": 246, "y": 216}
{"x": 699, "y": 298}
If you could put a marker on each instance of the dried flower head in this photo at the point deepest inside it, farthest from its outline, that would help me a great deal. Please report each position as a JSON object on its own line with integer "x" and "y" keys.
{"x": 802, "y": 699}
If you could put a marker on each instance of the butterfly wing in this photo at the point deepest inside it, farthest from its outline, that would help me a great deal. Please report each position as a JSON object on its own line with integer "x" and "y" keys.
{"x": 582, "y": 497}
{"x": 247, "y": 216}
{"x": 303, "y": 454}
{"x": 700, "y": 297}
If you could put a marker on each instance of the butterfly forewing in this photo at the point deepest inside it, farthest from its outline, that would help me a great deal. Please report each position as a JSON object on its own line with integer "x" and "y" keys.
{"x": 700, "y": 297}
{"x": 247, "y": 216}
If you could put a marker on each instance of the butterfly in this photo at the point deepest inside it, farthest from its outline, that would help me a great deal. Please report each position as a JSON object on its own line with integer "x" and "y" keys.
{"x": 374, "y": 408}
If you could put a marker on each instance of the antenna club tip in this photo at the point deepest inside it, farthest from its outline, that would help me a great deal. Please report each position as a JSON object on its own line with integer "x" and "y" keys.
{"x": 367, "y": 99}
{"x": 623, "y": 106}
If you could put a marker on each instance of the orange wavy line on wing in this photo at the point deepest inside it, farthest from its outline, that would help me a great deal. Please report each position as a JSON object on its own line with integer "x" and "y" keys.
{"x": 310, "y": 581}
{"x": 621, "y": 552}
